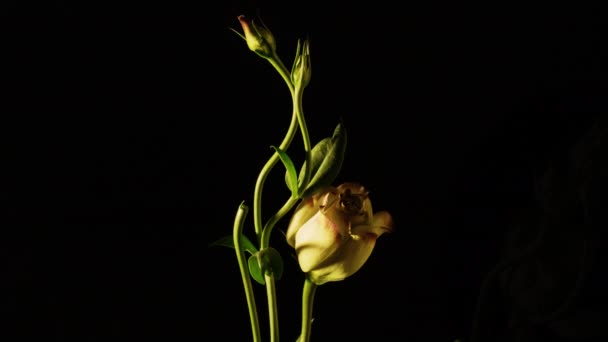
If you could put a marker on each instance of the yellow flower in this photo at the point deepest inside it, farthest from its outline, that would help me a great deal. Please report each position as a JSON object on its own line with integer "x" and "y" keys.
{"x": 334, "y": 232}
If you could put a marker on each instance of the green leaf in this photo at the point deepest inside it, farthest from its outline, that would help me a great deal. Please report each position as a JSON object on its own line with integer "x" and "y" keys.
{"x": 291, "y": 177}
{"x": 326, "y": 161}
{"x": 255, "y": 269}
{"x": 228, "y": 241}
{"x": 266, "y": 261}
{"x": 272, "y": 262}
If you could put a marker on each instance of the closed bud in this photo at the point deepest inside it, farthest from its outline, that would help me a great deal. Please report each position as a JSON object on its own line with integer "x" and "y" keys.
{"x": 301, "y": 70}
{"x": 258, "y": 37}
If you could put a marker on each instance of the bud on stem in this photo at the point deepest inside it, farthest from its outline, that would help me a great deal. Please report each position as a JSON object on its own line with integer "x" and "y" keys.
{"x": 258, "y": 37}
{"x": 301, "y": 69}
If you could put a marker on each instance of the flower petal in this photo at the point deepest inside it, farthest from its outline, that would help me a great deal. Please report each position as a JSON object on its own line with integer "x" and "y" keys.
{"x": 317, "y": 240}
{"x": 354, "y": 252}
{"x": 307, "y": 208}
{"x": 382, "y": 222}
{"x": 351, "y": 256}
{"x": 304, "y": 211}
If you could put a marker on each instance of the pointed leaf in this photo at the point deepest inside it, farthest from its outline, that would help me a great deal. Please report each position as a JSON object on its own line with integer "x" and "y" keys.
{"x": 291, "y": 176}
{"x": 254, "y": 268}
{"x": 228, "y": 241}
{"x": 326, "y": 161}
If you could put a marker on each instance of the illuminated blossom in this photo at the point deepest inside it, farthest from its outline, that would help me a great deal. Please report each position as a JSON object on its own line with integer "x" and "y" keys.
{"x": 334, "y": 232}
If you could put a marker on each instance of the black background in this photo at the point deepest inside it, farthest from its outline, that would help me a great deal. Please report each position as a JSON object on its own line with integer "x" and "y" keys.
{"x": 132, "y": 131}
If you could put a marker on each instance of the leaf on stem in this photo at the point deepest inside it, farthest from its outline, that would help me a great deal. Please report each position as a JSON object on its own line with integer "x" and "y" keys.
{"x": 326, "y": 161}
{"x": 255, "y": 270}
{"x": 228, "y": 241}
{"x": 291, "y": 176}
{"x": 266, "y": 261}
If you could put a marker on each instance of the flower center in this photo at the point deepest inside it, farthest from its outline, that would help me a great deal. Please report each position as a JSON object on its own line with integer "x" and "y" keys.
{"x": 351, "y": 203}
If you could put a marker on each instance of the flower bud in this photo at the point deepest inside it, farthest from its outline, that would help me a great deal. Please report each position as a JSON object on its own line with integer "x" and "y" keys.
{"x": 258, "y": 37}
{"x": 334, "y": 232}
{"x": 301, "y": 71}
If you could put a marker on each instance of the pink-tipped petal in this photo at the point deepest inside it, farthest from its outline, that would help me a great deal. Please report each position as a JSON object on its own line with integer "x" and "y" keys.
{"x": 316, "y": 241}
{"x": 304, "y": 211}
{"x": 307, "y": 208}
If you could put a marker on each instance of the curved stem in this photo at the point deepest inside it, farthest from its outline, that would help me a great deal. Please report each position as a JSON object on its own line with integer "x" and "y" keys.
{"x": 265, "y": 240}
{"x": 264, "y": 234}
{"x": 285, "y": 74}
{"x": 240, "y": 255}
{"x": 291, "y": 132}
{"x": 299, "y": 115}
{"x": 272, "y": 307}
{"x": 299, "y": 93}
{"x": 257, "y": 196}
{"x": 308, "y": 297}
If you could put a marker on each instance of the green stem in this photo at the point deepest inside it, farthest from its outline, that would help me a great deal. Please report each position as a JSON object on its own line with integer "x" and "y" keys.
{"x": 257, "y": 195}
{"x": 264, "y": 234}
{"x": 270, "y": 283}
{"x": 291, "y": 132}
{"x": 298, "y": 94}
{"x": 285, "y": 74}
{"x": 272, "y": 307}
{"x": 240, "y": 255}
{"x": 297, "y": 119}
{"x": 265, "y": 240}
{"x": 308, "y": 296}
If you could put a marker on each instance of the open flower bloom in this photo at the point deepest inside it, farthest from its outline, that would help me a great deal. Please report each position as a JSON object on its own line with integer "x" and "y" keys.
{"x": 334, "y": 232}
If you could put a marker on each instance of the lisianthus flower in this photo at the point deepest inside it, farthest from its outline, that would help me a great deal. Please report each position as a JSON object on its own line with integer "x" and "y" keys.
{"x": 334, "y": 232}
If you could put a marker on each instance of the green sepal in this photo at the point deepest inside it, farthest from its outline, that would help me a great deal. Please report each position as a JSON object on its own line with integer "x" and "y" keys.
{"x": 326, "y": 161}
{"x": 228, "y": 241}
{"x": 295, "y": 60}
{"x": 291, "y": 176}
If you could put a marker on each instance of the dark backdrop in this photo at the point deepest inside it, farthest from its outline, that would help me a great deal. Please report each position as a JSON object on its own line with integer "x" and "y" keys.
{"x": 131, "y": 131}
